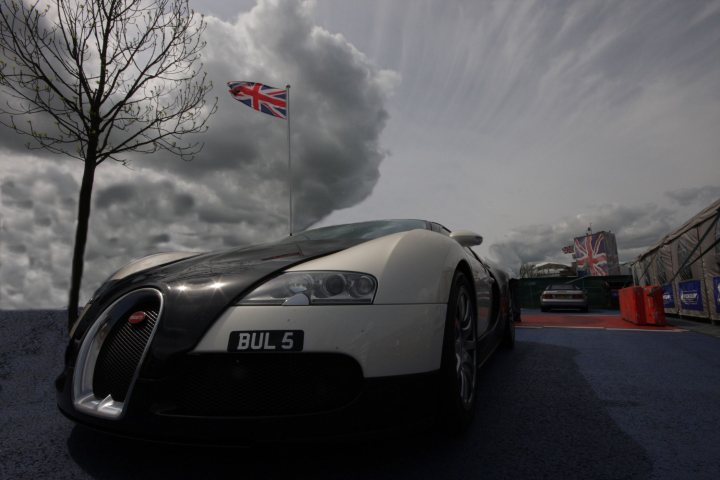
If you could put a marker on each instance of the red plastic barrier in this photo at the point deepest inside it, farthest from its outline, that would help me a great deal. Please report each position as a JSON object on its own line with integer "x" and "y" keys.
{"x": 632, "y": 305}
{"x": 654, "y": 306}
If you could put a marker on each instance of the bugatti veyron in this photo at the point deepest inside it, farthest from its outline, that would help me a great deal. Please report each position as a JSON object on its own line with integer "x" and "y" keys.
{"x": 338, "y": 330}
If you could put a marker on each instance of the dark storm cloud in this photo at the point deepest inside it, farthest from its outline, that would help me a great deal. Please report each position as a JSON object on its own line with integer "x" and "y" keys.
{"x": 183, "y": 203}
{"x": 132, "y": 218}
{"x": 214, "y": 213}
{"x": 235, "y": 191}
{"x": 635, "y": 229}
{"x": 160, "y": 238}
{"x": 42, "y": 123}
{"x": 337, "y": 112}
{"x": 699, "y": 195}
{"x": 35, "y": 229}
{"x": 17, "y": 249}
{"x": 115, "y": 194}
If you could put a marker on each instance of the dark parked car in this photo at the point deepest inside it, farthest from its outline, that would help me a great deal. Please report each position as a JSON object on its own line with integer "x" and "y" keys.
{"x": 565, "y": 295}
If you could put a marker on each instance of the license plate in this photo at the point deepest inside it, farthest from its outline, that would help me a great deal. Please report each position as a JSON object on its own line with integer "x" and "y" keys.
{"x": 266, "y": 341}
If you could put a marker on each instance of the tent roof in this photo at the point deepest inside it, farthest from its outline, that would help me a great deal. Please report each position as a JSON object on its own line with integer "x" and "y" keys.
{"x": 706, "y": 214}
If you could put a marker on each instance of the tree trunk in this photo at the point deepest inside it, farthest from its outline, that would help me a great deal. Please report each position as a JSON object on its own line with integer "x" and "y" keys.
{"x": 84, "y": 204}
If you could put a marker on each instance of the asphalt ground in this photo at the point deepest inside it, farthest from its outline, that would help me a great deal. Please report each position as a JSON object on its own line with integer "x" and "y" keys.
{"x": 565, "y": 403}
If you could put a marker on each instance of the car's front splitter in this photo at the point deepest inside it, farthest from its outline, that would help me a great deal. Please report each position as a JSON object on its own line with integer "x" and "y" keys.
{"x": 564, "y": 304}
{"x": 382, "y": 404}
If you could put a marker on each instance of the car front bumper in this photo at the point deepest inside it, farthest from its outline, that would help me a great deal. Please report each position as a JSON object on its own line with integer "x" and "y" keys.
{"x": 383, "y": 404}
{"x": 564, "y": 303}
{"x": 362, "y": 369}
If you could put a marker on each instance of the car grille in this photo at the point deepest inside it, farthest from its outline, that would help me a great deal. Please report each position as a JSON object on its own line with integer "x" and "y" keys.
{"x": 261, "y": 384}
{"x": 121, "y": 353}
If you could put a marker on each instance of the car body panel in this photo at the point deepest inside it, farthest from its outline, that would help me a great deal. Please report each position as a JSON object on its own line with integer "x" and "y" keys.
{"x": 151, "y": 261}
{"x": 385, "y": 340}
{"x": 392, "y": 260}
{"x": 402, "y": 279}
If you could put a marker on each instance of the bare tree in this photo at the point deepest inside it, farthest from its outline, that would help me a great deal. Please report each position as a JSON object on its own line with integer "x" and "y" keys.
{"x": 101, "y": 80}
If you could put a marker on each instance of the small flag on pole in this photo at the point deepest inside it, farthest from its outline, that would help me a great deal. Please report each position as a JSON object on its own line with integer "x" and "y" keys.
{"x": 568, "y": 249}
{"x": 262, "y": 98}
{"x": 275, "y": 102}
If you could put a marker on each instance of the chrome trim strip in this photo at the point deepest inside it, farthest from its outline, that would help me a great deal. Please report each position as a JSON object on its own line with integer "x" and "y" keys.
{"x": 83, "y": 396}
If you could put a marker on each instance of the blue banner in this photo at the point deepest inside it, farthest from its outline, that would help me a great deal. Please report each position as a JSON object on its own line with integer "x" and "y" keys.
{"x": 668, "y": 296}
{"x": 691, "y": 295}
{"x": 716, "y": 289}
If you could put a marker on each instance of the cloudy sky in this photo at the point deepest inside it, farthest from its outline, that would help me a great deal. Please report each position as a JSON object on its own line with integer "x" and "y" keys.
{"x": 525, "y": 121}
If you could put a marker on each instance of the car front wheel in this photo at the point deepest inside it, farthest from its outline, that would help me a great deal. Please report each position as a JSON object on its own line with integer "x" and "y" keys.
{"x": 508, "y": 340}
{"x": 459, "y": 359}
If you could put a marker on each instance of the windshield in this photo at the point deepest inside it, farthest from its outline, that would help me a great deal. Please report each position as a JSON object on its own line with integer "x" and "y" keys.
{"x": 362, "y": 230}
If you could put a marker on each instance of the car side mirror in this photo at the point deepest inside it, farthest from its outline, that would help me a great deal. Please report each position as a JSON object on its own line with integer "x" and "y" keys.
{"x": 466, "y": 238}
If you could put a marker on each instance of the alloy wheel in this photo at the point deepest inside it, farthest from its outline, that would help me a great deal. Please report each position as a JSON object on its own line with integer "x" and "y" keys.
{"x": 465, "y": 347}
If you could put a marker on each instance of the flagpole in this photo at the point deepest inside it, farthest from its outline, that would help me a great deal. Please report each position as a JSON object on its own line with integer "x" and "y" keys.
{"x": 290, "y": 178}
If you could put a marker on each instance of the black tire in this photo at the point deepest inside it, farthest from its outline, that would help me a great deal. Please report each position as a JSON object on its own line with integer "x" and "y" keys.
{"x": 508, "y": 340}
{"x": 458, "y": 386}
{"x": 515, "y": 307}
{"x": 544, "y": 309}
{"x": 584, "y": 309}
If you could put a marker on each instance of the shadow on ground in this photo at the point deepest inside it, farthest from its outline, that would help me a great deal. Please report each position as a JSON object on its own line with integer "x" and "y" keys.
{"x": 537, "y": 417}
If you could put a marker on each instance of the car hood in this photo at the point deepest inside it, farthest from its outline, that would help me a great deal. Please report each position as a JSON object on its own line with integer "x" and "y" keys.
{"x": 197, "y": 290}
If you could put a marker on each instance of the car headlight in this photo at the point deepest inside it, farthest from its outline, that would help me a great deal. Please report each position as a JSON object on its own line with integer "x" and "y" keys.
{"x": 314, "y": 288}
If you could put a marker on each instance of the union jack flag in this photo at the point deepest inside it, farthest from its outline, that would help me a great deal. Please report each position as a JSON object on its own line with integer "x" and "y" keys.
{"x": 263, "y": 98}
{"x": 568, "y": 249}
{"x": 591, "y": 254}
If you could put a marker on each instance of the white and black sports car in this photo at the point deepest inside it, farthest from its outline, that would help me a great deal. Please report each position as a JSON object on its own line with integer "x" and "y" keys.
{"x": 345, "y": 329}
